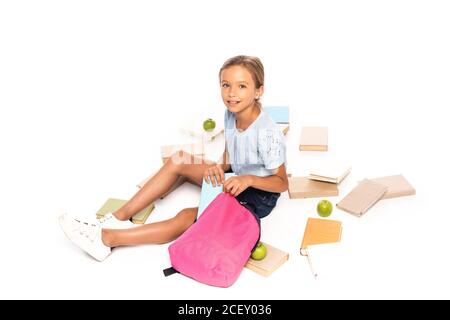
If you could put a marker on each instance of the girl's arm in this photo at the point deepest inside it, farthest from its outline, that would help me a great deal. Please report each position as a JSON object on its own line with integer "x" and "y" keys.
{"x": 225, "y": 160}
{"x": 277, "y": 182}
{"x": 216, "y": 172}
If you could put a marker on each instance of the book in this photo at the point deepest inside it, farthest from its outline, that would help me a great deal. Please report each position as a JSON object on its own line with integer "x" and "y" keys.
{"x": 314, "y": 139}
{"x": 195, "y": 149}
{"x": 303, "y": 187}
{"x": 113, "y": 204}
{"x": 278, "y": 114}
{"x": 326, "y": 261}
{"x": 209, "y": 193}
{"x": 271, "y": 262}
{"x": 330, "y": 173}
{"x": 319, "y": 231}
{"x": 362, "y": 197}
{"x": 397, "y": 186}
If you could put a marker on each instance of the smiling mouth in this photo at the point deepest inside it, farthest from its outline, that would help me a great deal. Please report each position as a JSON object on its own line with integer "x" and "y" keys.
{"x": 233, "y": 103}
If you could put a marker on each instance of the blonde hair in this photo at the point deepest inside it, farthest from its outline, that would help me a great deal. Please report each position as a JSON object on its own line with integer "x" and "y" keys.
{"x": 252, "y": 64}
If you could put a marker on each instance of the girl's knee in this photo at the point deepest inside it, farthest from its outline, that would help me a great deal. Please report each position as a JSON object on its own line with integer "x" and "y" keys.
{"x": 187, "y": 216}
{"x": 179, "y": 160}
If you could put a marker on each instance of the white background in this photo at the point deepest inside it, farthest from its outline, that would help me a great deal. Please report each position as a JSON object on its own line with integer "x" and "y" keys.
{"x": 89, "y": 90}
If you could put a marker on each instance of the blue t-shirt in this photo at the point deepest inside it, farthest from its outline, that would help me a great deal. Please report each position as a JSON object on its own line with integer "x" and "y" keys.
{"x": 259, "y": 149}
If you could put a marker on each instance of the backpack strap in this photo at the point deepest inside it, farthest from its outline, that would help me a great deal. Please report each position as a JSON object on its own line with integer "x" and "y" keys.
{"x": 169, "y": 271}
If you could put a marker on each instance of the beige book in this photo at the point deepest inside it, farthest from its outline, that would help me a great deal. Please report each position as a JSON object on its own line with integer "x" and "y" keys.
{"x": 195, "y": 149}
{"x": 112, "y": 205}
{"x": 303, "y": 187}
{"x": 362, "y": 197}
{"x": 314, "y": 139}
{"x": 271, "y": 262}
{"x": 333, "y": 174}
{"x": 397, "y": 186}
{"x": 319, "y": 231}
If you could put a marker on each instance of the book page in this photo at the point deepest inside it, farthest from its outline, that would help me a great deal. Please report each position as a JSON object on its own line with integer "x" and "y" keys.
{"x": 331, "y": 169}
{"x": 326, "y": 261}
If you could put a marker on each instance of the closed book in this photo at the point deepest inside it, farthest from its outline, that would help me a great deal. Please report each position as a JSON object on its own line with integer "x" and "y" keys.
{"x": 320, "y": 231}
{"x": 362, "y": 197}
{"x": 303, "y": 187}
{"x": 314, "y": 139}
{"x": 112, "y": 205}
{"x": 271, "y": 262}
{"x": 397, "y": 186}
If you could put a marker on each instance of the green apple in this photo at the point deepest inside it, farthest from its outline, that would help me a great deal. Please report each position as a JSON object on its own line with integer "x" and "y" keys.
{"x": 324, "y": 208}
{"x": 209, "y": 124}
{"x": 259, "y": 252}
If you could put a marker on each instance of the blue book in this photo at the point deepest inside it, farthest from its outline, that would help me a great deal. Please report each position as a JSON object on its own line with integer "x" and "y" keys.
{"x": 278, "y": 114}
{"x": 209, "y": 193}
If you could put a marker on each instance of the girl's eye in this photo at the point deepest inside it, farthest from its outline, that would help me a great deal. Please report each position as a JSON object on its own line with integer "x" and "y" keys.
{"x": 242, "y": 86}
{"x": 225, "y": 85}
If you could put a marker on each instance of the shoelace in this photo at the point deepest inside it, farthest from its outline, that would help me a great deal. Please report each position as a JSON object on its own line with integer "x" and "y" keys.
{"x": 90, "y": 231}
{"x": 105, "y": 218}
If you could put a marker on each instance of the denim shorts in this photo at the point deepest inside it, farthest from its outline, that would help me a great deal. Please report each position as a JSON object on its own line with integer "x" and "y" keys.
{"x": 259, "y": 202}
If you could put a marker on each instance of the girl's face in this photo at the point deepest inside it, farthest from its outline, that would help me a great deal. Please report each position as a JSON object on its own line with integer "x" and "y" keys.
{"x": 238, "y": 88}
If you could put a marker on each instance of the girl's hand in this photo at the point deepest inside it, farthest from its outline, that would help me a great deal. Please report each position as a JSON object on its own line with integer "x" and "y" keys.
{"x": 236, "y": 185}
{"x": 215, "y": 175}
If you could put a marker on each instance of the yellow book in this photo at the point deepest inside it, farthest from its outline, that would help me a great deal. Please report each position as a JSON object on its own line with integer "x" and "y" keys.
{"x": 319, "y": 231}
{"x": 112, "y": 205}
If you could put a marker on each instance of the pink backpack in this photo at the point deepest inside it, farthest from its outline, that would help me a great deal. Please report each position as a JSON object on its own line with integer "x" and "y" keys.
{"x": 215, "y": 249}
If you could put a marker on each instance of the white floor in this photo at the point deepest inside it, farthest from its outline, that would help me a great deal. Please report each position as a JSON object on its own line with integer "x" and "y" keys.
{"x": 85, "y": 107}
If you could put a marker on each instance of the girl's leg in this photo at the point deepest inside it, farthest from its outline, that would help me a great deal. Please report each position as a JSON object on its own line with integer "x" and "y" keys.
{"x": 181, "y": 165}
{"x": 155, "y": 233}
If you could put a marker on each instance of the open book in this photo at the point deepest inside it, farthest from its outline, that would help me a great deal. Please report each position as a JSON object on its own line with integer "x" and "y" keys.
{"x": 319, "y": 232}
{"x": 113, "y": 204}
{"x": 333, "y": 173}
{"x": 326, "y": 261}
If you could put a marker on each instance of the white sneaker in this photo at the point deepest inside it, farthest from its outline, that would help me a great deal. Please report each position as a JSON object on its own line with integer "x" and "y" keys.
{"x": 87, "y": 236}
{"x": 109, "y": 221}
